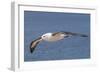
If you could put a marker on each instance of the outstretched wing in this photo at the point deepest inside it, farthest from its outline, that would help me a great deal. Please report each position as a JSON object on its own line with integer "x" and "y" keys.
{"x": 67, "y": 34}
{"x": 34, "y": 44}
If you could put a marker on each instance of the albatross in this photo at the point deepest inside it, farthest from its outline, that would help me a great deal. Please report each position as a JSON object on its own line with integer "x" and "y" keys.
{"x": 51, "y": 37}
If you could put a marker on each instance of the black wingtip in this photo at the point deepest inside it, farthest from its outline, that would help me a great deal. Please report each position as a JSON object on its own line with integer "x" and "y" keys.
{"x": 31, "y": 50}
{"x": 84, "y": 36}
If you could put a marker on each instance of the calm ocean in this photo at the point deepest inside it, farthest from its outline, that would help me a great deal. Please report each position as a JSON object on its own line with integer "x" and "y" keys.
{"x": 38, "y": 23}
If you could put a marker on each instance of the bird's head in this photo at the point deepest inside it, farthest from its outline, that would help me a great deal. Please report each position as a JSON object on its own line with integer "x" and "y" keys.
{"x": 46, "y": 36}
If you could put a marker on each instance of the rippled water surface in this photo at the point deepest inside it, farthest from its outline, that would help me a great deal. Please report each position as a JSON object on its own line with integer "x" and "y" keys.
{"x": 38, "y": 23}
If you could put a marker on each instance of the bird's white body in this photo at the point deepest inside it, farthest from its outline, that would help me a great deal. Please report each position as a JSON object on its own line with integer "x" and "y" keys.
{"x": 50, "y": 38}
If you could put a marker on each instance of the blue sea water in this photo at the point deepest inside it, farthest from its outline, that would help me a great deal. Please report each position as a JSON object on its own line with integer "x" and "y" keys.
{"x": 37, "y": 23}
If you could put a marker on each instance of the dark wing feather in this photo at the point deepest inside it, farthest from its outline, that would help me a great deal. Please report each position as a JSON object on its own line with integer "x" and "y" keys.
{"x": 34, "y": 44}
{"x": 75, "y": 34}
{"x": 69, "y": 33}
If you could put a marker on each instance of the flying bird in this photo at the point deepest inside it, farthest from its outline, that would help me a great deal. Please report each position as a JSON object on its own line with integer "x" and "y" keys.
{"x": 51, "y": 37}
